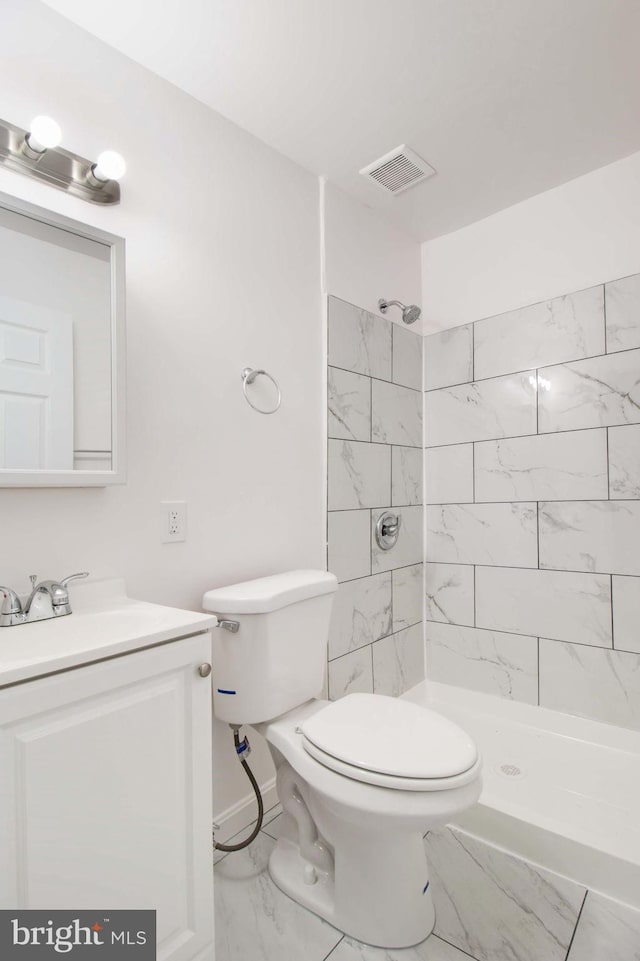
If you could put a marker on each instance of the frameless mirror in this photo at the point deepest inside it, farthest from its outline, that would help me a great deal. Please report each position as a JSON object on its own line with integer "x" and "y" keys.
{"x": 61, "y": 350}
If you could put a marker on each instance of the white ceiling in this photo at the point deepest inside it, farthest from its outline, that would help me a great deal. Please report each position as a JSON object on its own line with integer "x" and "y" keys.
{"x": 505, "y": 98}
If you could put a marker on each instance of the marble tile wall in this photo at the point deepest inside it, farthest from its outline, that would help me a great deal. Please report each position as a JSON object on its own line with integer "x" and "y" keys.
{"x": 498, "y": 907}
{"x": 532, "y": 430}
{"x": 375, "y": 463}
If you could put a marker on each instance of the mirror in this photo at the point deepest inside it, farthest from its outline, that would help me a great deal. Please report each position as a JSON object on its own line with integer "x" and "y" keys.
{"x": 61, "y": 350}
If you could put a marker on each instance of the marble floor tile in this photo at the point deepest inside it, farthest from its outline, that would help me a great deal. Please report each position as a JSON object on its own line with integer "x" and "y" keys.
{"x": 498, "y": 907}
{"x": 407, "y": 357}
{"x": 449, "y": 474}
{"x": 607, "y": 931}
{"x": 450, "y": 593}
{"x": 361, "y": 614}
{"x": 351, "y": 673}
{"x": 622, "y": 298}
{"x": 502, "y": 664}
{"x": 624, "y": 462}
{"x": 359, "y": 341}
{"x": 398, "y": 661}
{"x": 565, "y": 328}
{"x": 448, "y": 357}
{"x": 257, "y": 922}
{"x": 349, "y": 405}
{"x": 483, "y": 410}
{"x": 433, "y": 949}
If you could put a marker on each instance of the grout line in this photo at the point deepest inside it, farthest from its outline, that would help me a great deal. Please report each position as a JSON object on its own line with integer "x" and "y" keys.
{"x": 538, "y": 650}
{"x": 537, "y": 377}
{"x": 392, "y": 383}
{"x": 527, "y": 436}
{"x": 339, "y": 941}
{"x": 451, "y": 944}
{"x": 613, "y": 637}
{"x": 475, "y": 615}
{"x": 608, "y": 469}
{"x": 530, "y": 500}
{"x": 604, "y": 316}
{"x": 577, "y": 923}
{"x": 538, "y": 530}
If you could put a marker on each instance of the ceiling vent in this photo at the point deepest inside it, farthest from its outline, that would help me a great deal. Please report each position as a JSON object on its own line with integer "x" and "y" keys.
{"x": 398, "y": 170}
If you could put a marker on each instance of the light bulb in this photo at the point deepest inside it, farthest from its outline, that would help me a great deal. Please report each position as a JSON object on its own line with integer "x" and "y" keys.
{"x": 44, "y": 133}
{"x": 110, "y": 166}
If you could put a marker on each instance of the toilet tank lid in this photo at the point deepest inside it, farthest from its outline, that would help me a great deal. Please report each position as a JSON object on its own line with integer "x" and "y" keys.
{"x": 269, "y": 593}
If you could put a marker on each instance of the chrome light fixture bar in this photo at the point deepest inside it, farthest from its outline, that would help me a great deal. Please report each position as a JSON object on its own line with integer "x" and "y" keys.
{"x": 27, "y": 153}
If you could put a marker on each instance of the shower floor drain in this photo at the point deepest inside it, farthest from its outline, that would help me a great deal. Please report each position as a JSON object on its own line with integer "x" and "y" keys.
{"x": 509, "y": 770}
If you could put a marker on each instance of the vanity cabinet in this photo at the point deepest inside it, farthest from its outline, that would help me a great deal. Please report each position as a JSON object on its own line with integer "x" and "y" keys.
{"x": 105, "y": 791}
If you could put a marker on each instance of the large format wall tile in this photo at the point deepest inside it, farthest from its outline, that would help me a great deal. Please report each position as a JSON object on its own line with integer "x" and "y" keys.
{"x": 408, "y": 585}
{"x": 407, "y": 357}
{"x": 544, "y": 467}
{"x": 600, "y": 536}
{"x": 350, "y": 674}
{"x": 361, "y": 614}
{"x": 448, "y": 357}
{"x": 590, "y": 681}
{"x": 359, "y": 341}
{"x": 600, "y": 392}
{"x": 406, "y": 475}
{"x": 607, "y": 931}
{"x": 484, "y": 410}
{"x": 398, "y": 661}
{"x": 449, "y": 474}
{"x": 396, "y": 414}
{"x": 359, "y": 474}
{"x": 565, "y": 606}
{"x": 349, "y": 405}
{"x": 501, "y": 534}
{"x": 624, "y": 462}
{"x": 450, "y": 593}
{"x": 623, "y": 313}
{"x": 498, "y": 907}
{"x": 349, "y": 544}
{"x": 565, "y": 328}
{"x": 502, "y": 664}
{"x": 408, "y": 549}
{"x": 626, "y": 613}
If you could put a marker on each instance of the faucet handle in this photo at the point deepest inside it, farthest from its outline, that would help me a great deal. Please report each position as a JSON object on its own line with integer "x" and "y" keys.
{"x": 34, "y": 580}
{"x": 9, "y": 601}
{"x": 73, "y": 577}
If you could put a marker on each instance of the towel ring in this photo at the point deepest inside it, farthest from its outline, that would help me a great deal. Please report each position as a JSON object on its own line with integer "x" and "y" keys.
{"x": 248, "y": 376}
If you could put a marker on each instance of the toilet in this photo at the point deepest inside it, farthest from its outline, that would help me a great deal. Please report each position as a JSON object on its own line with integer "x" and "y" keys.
{"x": 361, "y": 780}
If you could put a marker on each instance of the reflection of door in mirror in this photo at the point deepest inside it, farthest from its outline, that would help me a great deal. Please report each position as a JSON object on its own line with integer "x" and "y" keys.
{"x": 36, "y": 387}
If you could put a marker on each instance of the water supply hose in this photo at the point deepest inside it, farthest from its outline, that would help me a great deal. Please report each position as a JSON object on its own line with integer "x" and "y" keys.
{"x": 243, "y": 750}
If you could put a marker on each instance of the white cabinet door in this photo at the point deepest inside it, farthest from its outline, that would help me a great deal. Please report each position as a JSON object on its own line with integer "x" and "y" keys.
{"x": 105, "y": 792}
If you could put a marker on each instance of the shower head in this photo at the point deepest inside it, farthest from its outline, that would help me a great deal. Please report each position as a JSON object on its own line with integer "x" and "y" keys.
{"x": 410, "y": 313}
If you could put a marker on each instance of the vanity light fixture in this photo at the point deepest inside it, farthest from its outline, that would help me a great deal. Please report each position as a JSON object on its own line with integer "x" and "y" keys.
{"x": 36, "y": 153}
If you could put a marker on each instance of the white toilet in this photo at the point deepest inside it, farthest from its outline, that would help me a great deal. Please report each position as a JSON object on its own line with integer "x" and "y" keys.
{"x": 361, "y": 779}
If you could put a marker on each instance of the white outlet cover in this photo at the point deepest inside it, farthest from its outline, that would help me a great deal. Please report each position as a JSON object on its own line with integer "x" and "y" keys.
{"x": 173, "y": 521}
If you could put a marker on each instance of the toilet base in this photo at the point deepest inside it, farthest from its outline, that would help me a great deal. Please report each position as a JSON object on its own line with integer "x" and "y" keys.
{"x": 383, "y": 901}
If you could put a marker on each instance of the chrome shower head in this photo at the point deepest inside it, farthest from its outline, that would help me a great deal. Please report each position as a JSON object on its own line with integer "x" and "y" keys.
{"x": 410, "y": 313}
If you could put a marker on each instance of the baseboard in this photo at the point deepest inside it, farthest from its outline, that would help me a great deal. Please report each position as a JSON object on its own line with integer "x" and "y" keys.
{"x": 244, "y": 812}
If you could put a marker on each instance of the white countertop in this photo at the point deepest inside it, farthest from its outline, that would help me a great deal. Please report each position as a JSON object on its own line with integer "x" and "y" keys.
{"x": 105, "y": 622}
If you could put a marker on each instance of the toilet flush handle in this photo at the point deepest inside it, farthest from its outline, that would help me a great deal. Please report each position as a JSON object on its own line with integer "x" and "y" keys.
{"x": 228, "y": 625}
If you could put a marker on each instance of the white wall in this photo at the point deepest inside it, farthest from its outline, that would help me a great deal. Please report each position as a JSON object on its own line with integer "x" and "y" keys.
{"x": 580, "y": 234}
{"x": 366, "y": 258}
{"x": 223, "y": 271}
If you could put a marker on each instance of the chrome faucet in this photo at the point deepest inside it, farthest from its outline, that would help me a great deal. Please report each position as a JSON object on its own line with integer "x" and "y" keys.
{"x": 47, "y": 599}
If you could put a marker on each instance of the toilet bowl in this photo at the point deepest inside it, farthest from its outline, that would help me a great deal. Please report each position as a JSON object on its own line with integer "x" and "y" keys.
{"x": 361, "y": 780}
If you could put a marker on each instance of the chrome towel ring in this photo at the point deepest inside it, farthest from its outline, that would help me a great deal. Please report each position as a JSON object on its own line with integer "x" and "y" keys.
{"x": 248, "y": 376}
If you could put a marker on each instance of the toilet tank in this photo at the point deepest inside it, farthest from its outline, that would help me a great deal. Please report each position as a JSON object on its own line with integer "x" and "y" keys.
{"x": 277, "y": 658}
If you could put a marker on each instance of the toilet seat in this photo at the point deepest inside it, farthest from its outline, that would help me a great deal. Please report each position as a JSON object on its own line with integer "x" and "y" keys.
{"x": 391, "y": 743}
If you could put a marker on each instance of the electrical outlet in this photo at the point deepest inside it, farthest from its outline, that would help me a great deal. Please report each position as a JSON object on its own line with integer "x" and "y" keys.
{"x": 173, "y": 516}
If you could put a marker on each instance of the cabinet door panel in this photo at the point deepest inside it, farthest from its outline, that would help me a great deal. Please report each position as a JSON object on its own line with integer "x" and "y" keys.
{"x": 105, "y": 793}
